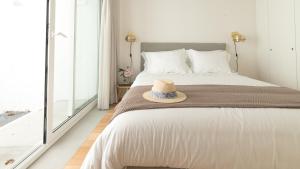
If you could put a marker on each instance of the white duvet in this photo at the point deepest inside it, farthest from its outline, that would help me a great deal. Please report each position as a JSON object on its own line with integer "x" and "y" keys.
{"x": 200, "y": 138}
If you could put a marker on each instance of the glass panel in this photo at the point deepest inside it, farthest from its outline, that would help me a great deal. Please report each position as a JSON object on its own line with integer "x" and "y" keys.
{"x": 86, "y": 69}
{"x": 22, "y": 73}
{"x": 63, "y": 61}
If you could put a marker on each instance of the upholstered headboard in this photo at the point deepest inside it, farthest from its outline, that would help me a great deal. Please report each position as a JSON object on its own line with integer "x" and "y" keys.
{"x": 154, "y": 47}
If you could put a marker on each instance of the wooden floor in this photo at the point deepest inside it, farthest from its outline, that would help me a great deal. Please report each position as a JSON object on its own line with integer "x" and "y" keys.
{"x": 76, "y": 161}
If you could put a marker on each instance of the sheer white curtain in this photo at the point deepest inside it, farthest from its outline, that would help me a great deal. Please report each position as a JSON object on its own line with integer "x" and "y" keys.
{"x": 108, "y": 54}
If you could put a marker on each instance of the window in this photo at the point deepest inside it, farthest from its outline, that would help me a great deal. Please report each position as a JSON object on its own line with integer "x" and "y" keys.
{"x": 22, "y": 74}
{"x": 47, "y": 84}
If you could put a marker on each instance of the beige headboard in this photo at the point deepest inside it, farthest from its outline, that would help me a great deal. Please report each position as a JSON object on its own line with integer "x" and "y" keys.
{"x": 155, "y": 47}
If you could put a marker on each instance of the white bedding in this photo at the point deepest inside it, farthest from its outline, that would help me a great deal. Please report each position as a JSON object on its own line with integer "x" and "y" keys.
{"x": 200, "y": 138}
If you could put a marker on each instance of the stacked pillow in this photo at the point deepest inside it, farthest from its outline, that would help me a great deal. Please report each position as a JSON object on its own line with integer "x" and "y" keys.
{"x": 209, "y": 61}
{"x": 166, "y": 62}
{"x": 186, "y": 61}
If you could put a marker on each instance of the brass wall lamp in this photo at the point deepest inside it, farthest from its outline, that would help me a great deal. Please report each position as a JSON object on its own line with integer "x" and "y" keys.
{"x": 131, "y": 38}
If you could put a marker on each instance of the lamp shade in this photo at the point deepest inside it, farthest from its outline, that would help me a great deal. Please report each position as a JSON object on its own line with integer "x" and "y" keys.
{"x": 130, "y": 37}
{"x": 237, "y": 37}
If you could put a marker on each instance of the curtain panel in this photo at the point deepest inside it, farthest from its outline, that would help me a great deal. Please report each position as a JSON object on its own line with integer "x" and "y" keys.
{"x": 108, "y": 54}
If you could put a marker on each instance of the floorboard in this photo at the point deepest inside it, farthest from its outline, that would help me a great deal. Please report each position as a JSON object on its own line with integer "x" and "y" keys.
{"x": 77, "y": 159}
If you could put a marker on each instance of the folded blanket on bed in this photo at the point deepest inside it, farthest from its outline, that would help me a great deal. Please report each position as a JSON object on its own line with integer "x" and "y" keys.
{"x": 219, "y": 96}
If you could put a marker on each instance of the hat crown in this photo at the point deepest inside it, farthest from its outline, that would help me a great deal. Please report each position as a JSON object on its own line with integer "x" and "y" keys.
{"x": 163, "y": 86}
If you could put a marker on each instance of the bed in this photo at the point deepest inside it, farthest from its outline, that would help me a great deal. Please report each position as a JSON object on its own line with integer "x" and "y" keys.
{"x": 199, "y": 138}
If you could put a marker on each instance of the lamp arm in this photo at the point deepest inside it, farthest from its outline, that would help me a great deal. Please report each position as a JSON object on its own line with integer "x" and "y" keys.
{"x": 130, "y": 55}
{"x": 237, "y": 57}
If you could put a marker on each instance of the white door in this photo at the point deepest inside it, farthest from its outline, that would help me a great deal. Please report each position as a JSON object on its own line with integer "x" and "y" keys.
{"x": 297, "y": 19}
{"x": 283, "y": 59}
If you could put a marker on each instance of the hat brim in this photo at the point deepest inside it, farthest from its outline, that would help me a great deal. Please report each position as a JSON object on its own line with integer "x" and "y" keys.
{"x": 180, "y": 98}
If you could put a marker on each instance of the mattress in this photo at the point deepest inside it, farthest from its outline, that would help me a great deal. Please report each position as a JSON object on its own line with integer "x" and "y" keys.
{"x": 200, "y": 138}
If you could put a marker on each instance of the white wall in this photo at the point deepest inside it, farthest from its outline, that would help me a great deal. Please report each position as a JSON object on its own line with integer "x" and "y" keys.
{"x": 262, "y": 27}
{"x": 189, "y": 21}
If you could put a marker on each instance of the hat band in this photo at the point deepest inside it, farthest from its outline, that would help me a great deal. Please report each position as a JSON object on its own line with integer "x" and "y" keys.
{"x": 160, "y": 95}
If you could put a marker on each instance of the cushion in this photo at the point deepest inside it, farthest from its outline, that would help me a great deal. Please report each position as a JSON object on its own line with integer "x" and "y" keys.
{"x": 166, "y": 62}
{"x": 209, "y": 61}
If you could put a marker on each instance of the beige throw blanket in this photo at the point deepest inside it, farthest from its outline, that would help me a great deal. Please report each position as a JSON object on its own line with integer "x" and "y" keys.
{"x": 222, "y": 96}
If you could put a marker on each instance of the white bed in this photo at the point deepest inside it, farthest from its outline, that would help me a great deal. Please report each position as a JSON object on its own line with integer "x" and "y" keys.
{"x": 200, "y": 138}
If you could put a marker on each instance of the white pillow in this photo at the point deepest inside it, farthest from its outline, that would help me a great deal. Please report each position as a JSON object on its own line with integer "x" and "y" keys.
{"x": 209, "y": 61}
{"x": 166, "y": 62}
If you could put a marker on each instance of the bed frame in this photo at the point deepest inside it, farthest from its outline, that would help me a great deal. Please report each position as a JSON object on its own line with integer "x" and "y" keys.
{"x": 154, "y": 47}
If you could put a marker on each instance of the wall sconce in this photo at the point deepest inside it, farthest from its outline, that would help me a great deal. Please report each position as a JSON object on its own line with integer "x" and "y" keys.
{"x": 131, "y": 38}
{"x": 236, "y": 38}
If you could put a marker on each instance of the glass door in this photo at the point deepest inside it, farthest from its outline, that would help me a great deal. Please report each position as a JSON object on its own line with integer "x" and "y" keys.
{"x": 22, "y": 78}
{"x": 62, "y": 55}
{"x": 86, "y": 58}
{"x": 30, "y": 118}
{"x": 74, "y": 45}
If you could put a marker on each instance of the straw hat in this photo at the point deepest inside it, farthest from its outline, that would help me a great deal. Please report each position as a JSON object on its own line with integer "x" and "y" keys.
{"x": 164, "y": 91}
